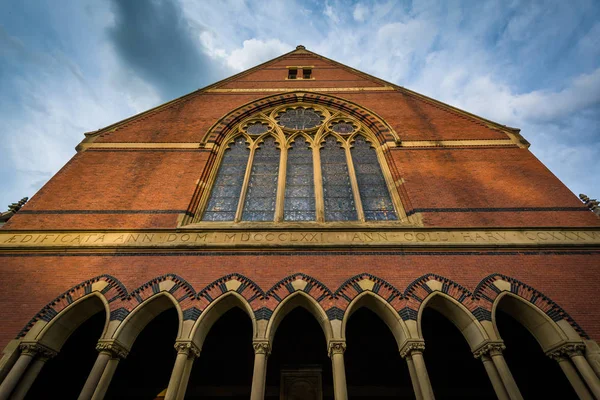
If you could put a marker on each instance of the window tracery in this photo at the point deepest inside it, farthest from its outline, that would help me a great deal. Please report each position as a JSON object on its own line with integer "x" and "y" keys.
{"x": 301, "y": 163}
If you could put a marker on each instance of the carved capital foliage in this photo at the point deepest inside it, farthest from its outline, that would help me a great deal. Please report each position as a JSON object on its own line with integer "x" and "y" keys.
{"x": 491, "y": 349}
{"x": 566, "y": 350}
{"x": 336, "y": 348}
{"x": 188, "y": 348}
{"x": 115, "y": 349}
{"x": 262, "y": 347}
{"x": 37, "y": 350}
{"x": 410, "y": 347}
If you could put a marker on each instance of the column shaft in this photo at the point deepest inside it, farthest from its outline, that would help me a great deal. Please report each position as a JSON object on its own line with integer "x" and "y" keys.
{"x": 422, "y": 375}
{"x": 339, "y": 376}
{"x": 94, "y": 377}
{"x": 14, "y": 375}
{"x": 414, "y": 378}
{"x": 587, "y": 373}
{"x": 185, "y": 378}
{"x": 506, "y": 376}
{"x": 105, "y": 379}
{"x": 495, "y": 378}
{"x": 574, "y": 378}
{"x": 28, "y": 378}
{"x": 259, "y": 376}
{"x": 176, "y": 376}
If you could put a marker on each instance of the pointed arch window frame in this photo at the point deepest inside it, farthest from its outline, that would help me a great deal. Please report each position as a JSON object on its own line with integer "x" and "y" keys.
{"x": 315, "y": 138}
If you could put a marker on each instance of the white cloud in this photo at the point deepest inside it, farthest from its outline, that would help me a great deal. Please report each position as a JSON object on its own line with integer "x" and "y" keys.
{"x": 360, "y": 13}
{"x": 331, "y": 13}
{"x": 254, "y": 52}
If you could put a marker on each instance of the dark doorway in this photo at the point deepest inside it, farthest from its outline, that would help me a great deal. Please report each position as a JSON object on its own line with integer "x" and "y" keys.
{"x": 537, "y": 375}
{"x": 299, "y": 344}
{"x": 453, "y": 371}
{"x": 225, "y": 366}
{"x": 63, "y": 376}
{"x": 147, "y": 369}
{"x": 374, "y": 368}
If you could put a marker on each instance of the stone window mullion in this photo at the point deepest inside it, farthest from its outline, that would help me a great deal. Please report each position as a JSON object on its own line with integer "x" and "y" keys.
{"x": 354, "y": 183}
{"x": 242, "y": 199}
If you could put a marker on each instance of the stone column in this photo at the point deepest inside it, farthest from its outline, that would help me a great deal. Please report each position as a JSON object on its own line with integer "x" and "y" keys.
{"x": 336, "y": 353}
{"x": 185, "y": 350}
{"x": 28, "y": 352}
{"x": 262, "y": 349}
{"x": 569, "y": 370}
{"x": 414, "y": 350}
{"x": 106, "y": 378}
{"x": 492, "y": 371}
{"x": 108, "y": 351}
{"x": 575, "y": 352}
{"x": 39, "y": 360}
{"x": 494, "y": 350}
{"x": 413, "y": 377}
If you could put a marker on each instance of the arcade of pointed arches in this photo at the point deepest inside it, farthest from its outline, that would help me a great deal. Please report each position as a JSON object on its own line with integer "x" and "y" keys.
{"x": 128, "y": 313}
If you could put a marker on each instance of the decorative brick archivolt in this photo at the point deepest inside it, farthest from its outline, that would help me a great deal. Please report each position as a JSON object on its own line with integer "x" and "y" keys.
{"x": 488, "y": 292}
{"x": 367, "y": 117}
{"x": 298, "y": 282}
{"x": 298, "y": 290}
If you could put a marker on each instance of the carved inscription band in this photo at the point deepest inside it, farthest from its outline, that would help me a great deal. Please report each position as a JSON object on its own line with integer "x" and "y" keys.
{"x": 286, "y": 238}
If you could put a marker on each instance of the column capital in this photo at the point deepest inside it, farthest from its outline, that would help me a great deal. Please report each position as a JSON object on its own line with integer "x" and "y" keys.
{"x": 337, "y": 347}
{"x": 566, "y": 350}
{"x": 261, "y": 347}
{"x": 412, "y": 346}
{"x": 489, "y": 348}
{"x": 187, "y": 347}
{"x": 36, "y": 349}
{"x": 115, "y": 349}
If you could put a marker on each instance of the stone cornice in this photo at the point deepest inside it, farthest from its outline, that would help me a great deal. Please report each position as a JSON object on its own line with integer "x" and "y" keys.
{"x": 275, "y": 236}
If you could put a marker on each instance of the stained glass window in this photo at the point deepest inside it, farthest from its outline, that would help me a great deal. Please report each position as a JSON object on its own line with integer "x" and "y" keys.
{"x": 342, "y": 128}
{"x": 300, "y": 118}
{"x": 299, "y": 185}
{"x": 374, "y": 195}
{"x": 262, "y": 188}
{"x": 257, "y": 128}
{"x": 337, "y": 190}
{"x": 225, "y": 194}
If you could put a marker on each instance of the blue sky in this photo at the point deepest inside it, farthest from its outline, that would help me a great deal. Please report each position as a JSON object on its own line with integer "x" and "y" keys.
{"x": 73, "y": 66}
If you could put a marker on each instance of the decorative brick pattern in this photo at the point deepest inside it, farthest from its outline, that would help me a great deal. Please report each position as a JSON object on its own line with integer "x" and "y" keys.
{"x": 406, "y": 304}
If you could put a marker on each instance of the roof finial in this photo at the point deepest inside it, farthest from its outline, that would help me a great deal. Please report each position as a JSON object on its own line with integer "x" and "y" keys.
{"x": 300, "y": 47}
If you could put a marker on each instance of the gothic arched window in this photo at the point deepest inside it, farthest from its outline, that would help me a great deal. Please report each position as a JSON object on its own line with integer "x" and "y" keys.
{"x": 301, "y": 164}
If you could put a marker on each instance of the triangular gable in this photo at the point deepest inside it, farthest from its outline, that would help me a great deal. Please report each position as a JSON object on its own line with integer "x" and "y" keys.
{"x": 298, "y": 57}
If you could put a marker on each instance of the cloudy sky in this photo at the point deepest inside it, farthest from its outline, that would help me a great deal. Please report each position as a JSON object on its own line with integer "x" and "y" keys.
{"x": 73, "y": 66}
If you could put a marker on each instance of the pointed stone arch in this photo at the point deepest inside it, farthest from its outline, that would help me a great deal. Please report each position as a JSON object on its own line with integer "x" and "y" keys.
{"x": 127, "y": 330}
{"x": 453, "y": 301}
{"x": 102, "y": 288}
{"x": 294, "y": 300}
{"x": 545, "y": 319}
{"x": 375, "y": 303}
{"x": 215, "y": 310}
{"x": 360, "y": 283}
{"x": 367, "y": 117}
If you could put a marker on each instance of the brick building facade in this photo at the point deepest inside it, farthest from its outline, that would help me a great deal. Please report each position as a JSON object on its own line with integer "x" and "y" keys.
{"x": 301, "y": 230}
